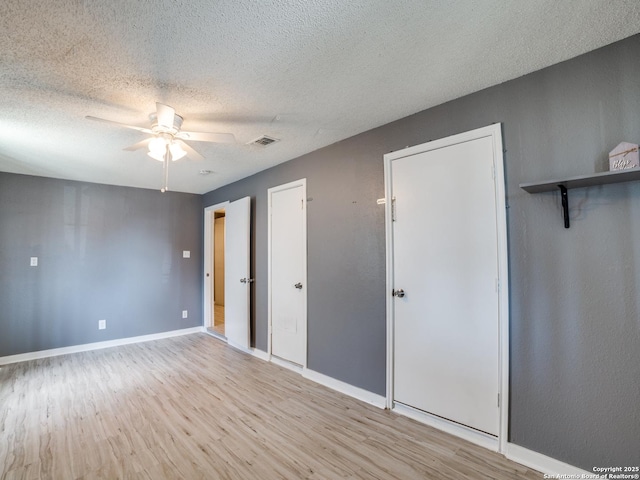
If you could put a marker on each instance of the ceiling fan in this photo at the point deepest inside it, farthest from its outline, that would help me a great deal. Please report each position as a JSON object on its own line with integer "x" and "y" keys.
{"x": 167, "y": 142}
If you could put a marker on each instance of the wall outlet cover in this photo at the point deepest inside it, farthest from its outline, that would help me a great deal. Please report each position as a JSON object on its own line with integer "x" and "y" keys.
{"x": 186, "y": 254}
{"x": 34, "y": 261}
{"x": 102, "y": 324}
{"x": 185, "y": 313}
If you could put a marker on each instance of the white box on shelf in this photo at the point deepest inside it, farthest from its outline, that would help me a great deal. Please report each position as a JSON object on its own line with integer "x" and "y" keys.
{"x": 624, "y": 156}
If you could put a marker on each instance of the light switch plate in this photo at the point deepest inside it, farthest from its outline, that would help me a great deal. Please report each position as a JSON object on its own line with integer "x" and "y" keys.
{"x": 185, "y": 313}
{"x": 34, "y": 261}
{"x": 186, "y": 254}
{"x": 102, "y": 324}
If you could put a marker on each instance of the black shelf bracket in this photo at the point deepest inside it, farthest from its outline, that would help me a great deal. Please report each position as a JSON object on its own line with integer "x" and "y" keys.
{"x": 582, "y": 181}
{"x": 565, "y": 204}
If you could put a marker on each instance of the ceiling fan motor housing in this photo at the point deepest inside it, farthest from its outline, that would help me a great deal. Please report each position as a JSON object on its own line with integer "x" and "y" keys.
{"x": 159, "y": 129}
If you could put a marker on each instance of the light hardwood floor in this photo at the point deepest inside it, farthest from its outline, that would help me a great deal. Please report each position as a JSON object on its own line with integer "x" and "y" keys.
{"x": 192, "y": 407}
{"x": 218, "y": 319}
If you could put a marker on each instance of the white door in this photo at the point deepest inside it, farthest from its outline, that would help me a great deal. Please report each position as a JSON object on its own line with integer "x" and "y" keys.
{"x": 237, "y": 272}
{"x": 287, "y": 272}
{"x": 445, "y": 257}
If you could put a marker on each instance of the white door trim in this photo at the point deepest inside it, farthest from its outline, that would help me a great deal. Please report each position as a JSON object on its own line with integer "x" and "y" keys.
{"x": 297, "y": 183}
{"x": 495, "y": 132}
{"x": 207, "y": 267}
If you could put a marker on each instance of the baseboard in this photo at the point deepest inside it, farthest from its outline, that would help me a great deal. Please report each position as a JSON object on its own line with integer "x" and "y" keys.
{"x": 474, "y": 436}
{"x": 54, "y": 352}
{"x": 546, "y": 465}
{"x": 329, "y": 382}
{"x": 262, "y": 355}
{"x": 346, "y": 388}
{"x": 294, "y": 367}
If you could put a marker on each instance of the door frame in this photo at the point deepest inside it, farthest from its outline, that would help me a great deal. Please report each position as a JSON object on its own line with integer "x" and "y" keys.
{"x": 495, "y": 132}
{"x": 297, "y": 183}
{"x": 207, "y": 266}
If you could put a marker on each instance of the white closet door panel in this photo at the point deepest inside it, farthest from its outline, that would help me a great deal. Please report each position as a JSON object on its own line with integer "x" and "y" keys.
{"x": 445, "y": 257}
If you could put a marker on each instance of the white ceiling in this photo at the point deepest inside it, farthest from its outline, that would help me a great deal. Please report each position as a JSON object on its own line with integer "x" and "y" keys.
{"x": 310, "y": 72}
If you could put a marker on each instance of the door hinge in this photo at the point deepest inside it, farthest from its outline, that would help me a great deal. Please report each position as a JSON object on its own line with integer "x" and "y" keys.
{"x": 498, "y": 400}
{"x": 302, "y": 204}
{"x": 493, "y": 172}
{"x": 393, "y": 209}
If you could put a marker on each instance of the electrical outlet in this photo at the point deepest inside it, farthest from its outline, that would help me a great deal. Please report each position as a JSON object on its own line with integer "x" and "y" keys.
{"x": 102, "y": 324}
{"x": 185, "y": 314}
{"x": 34, "y": 261}
{"x": 186, "y": 254}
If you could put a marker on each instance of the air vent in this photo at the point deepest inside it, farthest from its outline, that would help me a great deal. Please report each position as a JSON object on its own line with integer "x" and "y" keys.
{"x": 264, "y": 140}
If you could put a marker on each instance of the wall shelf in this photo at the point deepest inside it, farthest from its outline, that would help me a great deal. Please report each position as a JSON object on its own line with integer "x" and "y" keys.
{"x": 581, "y": 181}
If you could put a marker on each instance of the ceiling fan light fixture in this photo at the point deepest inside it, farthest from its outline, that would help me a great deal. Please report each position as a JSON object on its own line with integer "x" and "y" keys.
{"x": 157, "y": 148}
{"x": 167, "y": 141}
{"x": 156, "y": 156}
{"x": 176, "y": 151}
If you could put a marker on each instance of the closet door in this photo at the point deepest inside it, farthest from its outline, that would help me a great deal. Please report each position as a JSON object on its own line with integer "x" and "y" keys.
{"x": 445, "y": 257}
{"x": 287, "y": 272}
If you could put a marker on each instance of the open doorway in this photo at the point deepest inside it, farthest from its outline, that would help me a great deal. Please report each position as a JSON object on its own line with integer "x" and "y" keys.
{"x": 218, "y": 271}
{"x": 227, "y": 271}
{"x": 215, "y": 233}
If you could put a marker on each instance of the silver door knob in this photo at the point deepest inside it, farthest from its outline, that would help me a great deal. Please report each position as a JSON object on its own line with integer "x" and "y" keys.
{"x": 398, "y": 293}
{"x": 243, "y": 280}
{"x": 298, "y": 286}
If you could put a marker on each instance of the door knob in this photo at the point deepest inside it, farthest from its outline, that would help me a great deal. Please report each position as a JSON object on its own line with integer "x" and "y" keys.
{"x": 398, "y": 293}
{"x": 243, "y": 280}
{"x": 298, "y": 286}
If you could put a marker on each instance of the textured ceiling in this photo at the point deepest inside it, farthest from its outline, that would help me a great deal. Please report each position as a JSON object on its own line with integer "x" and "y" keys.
{"x": 310, "y": 72}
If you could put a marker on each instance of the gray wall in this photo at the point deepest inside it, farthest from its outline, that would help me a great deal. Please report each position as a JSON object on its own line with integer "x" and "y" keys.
{"x": 105, "y": 252}
{"x": 575, "y": 320}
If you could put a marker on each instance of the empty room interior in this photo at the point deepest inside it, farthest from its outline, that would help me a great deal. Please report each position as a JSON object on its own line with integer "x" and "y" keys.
{"x": 378, "y": 239}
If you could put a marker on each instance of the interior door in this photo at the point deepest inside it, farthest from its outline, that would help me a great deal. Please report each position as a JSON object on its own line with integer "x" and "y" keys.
{"x": 237, "y": 272}
{"x": 445, "y": 254}
{"x": 288, "y": 272}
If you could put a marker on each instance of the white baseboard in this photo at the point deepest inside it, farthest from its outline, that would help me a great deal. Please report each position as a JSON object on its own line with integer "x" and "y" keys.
{"x": 23, "y": 357}
{"x": 294, "y": 367}
{"x": 329, "y": 382}
{"x": 346, "y": 388}
{"x": 542, "y": 463}
{"x": 474, "y": 436}
{"x": 262, "y": 355}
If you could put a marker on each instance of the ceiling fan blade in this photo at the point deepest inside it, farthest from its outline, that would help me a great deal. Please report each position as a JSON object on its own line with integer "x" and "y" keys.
{"x": 136, "y": 146}
{"x": 207, "y": 137}
{"x": 140, "y": 129}
{"x": 190, "y": 151}
{"x": 165, "y": 115}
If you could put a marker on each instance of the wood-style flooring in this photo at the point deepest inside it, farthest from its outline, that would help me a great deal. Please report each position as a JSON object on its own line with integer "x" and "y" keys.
{"x": 218, "y": 319}
{"x": 192, "y": 407}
